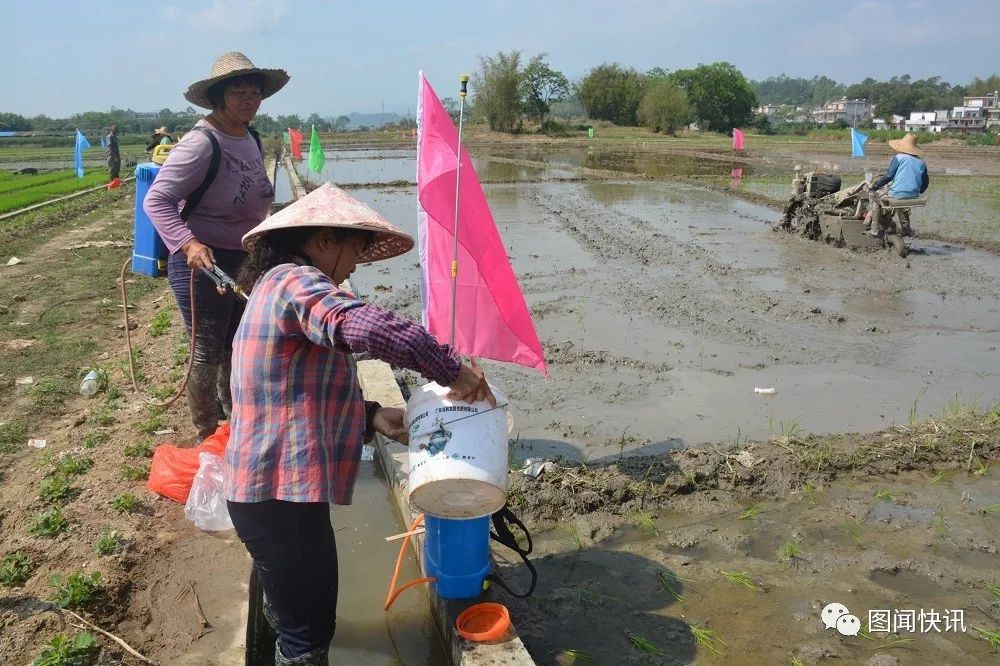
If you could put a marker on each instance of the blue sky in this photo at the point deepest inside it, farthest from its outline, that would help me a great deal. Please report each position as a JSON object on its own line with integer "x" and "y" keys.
{"x": 61, "y": 57}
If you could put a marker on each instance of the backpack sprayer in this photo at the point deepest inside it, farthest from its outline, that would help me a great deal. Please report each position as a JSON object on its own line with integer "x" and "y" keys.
{"x": 149, "y": 257}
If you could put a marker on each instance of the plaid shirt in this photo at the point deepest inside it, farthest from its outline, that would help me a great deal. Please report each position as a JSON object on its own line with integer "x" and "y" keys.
{"x": 298, "y": 419}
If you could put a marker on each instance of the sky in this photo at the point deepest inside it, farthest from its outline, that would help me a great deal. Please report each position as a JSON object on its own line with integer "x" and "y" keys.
{"x": 61, "y": 57}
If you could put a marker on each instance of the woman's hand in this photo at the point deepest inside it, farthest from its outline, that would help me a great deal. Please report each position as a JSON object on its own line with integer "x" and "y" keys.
{"x": 198, "y": 255}
{"x": 389, "y": 422}
{"x": 471, "y": 385}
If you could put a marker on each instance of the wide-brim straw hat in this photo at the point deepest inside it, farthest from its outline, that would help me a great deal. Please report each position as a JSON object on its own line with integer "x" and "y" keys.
{"x": 330, "y": 206}
{"x": 908, "y": 145}
{"x": 160, "y": 130}
{"x": 233, "y": 64}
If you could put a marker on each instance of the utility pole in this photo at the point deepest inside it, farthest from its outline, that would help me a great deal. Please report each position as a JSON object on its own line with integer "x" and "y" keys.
{"x": 381, "y": 116}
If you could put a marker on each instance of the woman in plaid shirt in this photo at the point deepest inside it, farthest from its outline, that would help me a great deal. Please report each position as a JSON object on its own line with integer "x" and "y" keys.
{"x": 299, "y": 419}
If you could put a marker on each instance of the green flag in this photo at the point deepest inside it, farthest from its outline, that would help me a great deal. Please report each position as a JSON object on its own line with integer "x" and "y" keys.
{"x": 316, "y": 157}
{"x": 285, "y": 138}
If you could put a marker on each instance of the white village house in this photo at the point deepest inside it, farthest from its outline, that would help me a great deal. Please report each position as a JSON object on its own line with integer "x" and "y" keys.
{"x": 854, "y": 112}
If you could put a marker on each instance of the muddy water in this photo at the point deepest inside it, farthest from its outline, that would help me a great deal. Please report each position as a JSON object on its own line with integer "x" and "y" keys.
{"x": 930, "y": 546}
{"x": 662, "y": 306}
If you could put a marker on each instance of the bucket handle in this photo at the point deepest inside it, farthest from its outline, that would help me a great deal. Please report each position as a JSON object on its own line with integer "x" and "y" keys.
{"x": 442, "y": 424}
{"x": 501, "y": 521}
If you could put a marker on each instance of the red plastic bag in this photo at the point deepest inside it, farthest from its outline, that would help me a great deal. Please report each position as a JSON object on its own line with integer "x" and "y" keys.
{"x": 173, "y": 468}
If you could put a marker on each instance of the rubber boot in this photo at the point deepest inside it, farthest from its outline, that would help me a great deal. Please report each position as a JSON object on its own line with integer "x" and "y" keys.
{"x": 203, "y": 400}
{"x": 904, "y": 223}
{"x": 222, "y": 388}
{"x": 317, "y": 657}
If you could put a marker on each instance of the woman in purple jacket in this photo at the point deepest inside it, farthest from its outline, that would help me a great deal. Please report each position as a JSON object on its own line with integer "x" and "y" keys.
{"x": 202, "y": 213}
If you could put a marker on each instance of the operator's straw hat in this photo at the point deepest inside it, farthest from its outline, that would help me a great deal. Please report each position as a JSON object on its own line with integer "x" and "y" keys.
{"x": 908, "y": 145}
{"x": 330, "y": 206}
{"x": 160, "y": 130}
{"x": 233, "y": 64}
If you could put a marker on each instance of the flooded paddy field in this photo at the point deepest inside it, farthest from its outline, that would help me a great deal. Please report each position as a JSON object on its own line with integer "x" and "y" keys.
{"x": 662, "y": 304}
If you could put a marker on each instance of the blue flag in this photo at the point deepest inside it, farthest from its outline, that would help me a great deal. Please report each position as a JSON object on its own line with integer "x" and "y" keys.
{"x": 81, "y": 145}
{"x": 858, "y": 140}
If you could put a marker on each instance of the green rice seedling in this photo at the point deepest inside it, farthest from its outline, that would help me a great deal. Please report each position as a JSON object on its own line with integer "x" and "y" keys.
{"x": 743, "y": 579}
{"x": 160, "y": 324}
{"x": 941, "y": 524}
{"x": 708, "y": 639}
{"x": 672, "y": 584}
{"x": 644, "y": 645}
{"x": 992, "y": 636}
{"x": 49, "y": 523}
{"x": 12, "y": 436}
{"x": 809, "y": 492}
{"x": 72, "y": 465}
{"x": 110, "y": 543}
{"x": 990, "y": 508}
{"x": 575, "y": 657}
{"x": 95, "y": 438}
{"x": 751, "y": 511}
{"x": 103, "y": 417}
{"x": 76, "y": 590}
{"x": 644, "y": 520}
{"x": 56, "y": 489}
{"x": 113, "y": 393}
{"x": 994, "y": 588}
{"x": 135, "y": 472}
{"x": 575, "y": 535}
{"x": 854, "y": 531}
{"x": 62, "y": 651}
{"x": 979, "y": 468}
{"x": 938, "y": 478}
{"x": 885, "y": 495}
{"x": 15, "y": 569}
{"x": 124, "y": 503}
{"x": 791, "y": 550}
{"x": 140, "y": 449}
{"x": 797, "y": 662}
{"x": 791, "y": 430}
{"x": 913, "y": 410}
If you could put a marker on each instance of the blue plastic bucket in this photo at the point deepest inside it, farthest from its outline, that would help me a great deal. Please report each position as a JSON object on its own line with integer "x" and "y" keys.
{"x": 457, "y": 554}
{"x": 149, "y": 255}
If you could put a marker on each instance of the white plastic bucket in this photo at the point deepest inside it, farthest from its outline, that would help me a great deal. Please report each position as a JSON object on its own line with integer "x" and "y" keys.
{"x": 458, "y": 454}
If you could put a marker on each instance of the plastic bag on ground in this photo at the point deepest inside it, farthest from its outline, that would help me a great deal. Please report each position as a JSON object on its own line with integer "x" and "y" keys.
{"x": 206, "y": 503}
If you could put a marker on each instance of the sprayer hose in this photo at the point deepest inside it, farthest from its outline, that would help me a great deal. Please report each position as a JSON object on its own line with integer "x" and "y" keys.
{"x": 128, "y": 341}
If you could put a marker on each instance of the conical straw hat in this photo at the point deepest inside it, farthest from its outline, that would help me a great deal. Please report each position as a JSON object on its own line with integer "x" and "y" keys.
{"x": 233, "y": 64}
{"x": 908, "y": 145}
{"x": 330, "y": 206}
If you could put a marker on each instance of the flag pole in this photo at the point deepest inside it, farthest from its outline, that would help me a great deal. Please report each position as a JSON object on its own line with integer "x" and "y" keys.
{"x": 464, "y": 80}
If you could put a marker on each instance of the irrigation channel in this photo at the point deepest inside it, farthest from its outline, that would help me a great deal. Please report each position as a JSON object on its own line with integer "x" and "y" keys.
{"x": 662, "y": 305}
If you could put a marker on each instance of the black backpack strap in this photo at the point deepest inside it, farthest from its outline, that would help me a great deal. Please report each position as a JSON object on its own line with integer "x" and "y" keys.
{"x": 194, "y": 198}
{"x": 502, "y": 520}
{"x": 256, "y": 137}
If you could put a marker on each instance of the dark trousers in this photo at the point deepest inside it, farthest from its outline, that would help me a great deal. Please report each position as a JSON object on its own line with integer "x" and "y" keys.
{"x": 294, "y": 550}
{"x": 217, "y": 317}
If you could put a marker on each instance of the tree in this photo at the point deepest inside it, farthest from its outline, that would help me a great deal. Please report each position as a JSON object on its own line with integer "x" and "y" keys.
{"x": 451, "y": 105}
{"x": 12, "y": 122}
{"x": 611, "y": 92}
{"x": 341, "y": 123}
{"x": 541, "y": 86}
{"x": 498, "y": 91}
{"x": 720, "y": 95}
{"x": 664, "y": 107}
{"x": 985, "y": 86}
{"x": 292, "y": 121}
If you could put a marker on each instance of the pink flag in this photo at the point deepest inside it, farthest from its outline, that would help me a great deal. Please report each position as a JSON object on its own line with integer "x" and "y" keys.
{"x": 492, "y": 318}
{"x": 295, "y": 139}
{"x": 738, "y": 139}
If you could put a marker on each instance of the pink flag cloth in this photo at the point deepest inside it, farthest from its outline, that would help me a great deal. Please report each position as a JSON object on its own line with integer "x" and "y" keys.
{"x": 492, "y": 318}
{"x": 738, "y": 139}
{"x": 295, "y": 139}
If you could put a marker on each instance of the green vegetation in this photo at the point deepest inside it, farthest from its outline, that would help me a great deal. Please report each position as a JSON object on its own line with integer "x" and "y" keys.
{"x": 885, "y": 495}
{"x": 140, "y": 449}
{"x": 791, "y": 550}
{"x": 751, "y": 511}
{"x": 56, "y": 489}
{"x": 498, "y": 95}
{"x": 575, "y": 657}
{"x": 644, "y": 645}
{"x": 612, "y": 92}
{"x": 71, "y": 465}
{"x": 708, "y": 639}
{"x": 76, "y": 590}
{"x": 160, "y": 323}
{"x": 664, "y": 107}
{"x": 15, "y": 569}
{"x": 721, "y": 97}
{"x": 135, "y": 472}
{"x": 742, "y": 579}
{"x": 95, "y": 438}
{"x": 110, "y": 543}
{"x": 13, "y": 435}
{"x": 540, "y": 87}
{"x": 644, "y": 520}
{"x": 992, "y": 636}
{"x": 154, "y": 421}
{"x": 29, "y": 194}
{"x": 671, "y": 582}
{"x": 62, "y": 651}
{"x": 49, "y": 394}
{"x": 49, "y": 523}
{"x": 124, "y": 503}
